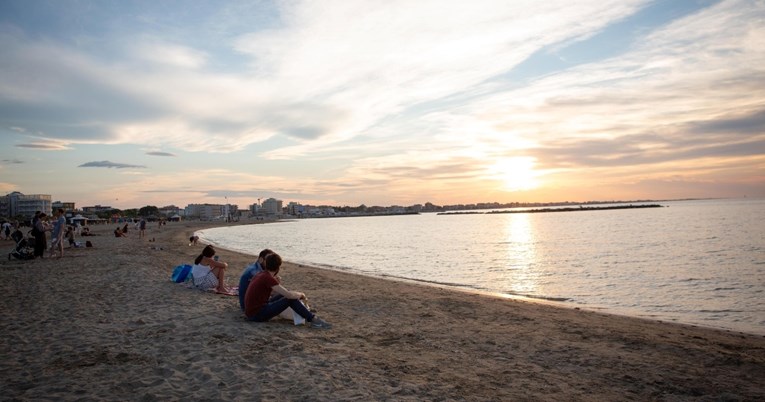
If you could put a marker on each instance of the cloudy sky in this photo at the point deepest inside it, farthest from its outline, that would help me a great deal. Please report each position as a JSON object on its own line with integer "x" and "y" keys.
{"x": 134, "y": 103}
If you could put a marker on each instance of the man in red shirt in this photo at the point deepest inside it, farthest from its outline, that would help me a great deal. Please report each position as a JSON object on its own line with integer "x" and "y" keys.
{"x": 256, "y": 300}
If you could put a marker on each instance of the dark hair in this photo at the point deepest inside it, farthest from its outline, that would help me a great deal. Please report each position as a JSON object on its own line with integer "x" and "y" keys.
{"x": 208, "y": 252}
{"x": 273, "y": 263}
{"x": 264, "y": 253}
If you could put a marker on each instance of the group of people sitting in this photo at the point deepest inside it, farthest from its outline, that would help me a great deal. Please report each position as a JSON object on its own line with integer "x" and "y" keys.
{"x": 121, "y": 232}
{"x": 261, "y": 294}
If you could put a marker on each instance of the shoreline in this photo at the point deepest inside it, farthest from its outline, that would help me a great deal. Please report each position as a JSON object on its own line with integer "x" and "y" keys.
{"x": 672, "y": 316}
{"x": 107, "y": 323}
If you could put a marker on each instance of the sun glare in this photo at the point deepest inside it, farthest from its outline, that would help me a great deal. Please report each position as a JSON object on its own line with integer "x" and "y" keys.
{"x": 517, "y": 174}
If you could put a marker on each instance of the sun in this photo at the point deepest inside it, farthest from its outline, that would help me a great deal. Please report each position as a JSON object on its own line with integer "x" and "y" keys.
{"x": 516, "y": 173}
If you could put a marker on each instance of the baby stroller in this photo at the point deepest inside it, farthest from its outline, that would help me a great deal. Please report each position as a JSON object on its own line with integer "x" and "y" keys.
{"x": 24, "y": 249}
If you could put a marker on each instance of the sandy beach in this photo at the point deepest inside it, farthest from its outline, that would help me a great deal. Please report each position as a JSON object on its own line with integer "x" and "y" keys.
{"x": 106, "y": 323}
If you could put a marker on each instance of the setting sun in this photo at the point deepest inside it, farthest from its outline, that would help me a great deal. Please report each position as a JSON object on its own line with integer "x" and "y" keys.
{"x": 517, "y": 174}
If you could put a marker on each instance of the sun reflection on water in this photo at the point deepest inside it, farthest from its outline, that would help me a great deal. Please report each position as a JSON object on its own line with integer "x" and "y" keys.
{"x": 521, "y": 276}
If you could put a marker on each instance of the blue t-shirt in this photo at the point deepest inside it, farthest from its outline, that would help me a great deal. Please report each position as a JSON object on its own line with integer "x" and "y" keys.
{"x": 244, "y": 281}
{"x": 58, "y": 227}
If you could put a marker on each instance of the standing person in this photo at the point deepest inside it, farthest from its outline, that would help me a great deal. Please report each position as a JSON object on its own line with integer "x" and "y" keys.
{"x": 257, "y": 305}
{"x": 142, "y": 228}
{"x": 38, "y": 231}
{"x": 249, "y": 273}
{"x": 57, "y": 235}
{"x": 7, "y": 230}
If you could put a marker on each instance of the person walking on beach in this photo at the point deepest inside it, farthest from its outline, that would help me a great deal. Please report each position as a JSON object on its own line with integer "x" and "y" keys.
{"x": 57, "y": 236}
{"x": 142, "y": 228}
{"x": 258, "y": 308}
{"x": 249, "y": 273}
{"x": 208, "y": 272}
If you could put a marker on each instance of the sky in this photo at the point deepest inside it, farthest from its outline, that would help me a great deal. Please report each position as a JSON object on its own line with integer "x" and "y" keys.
{"x": 335, "y": 102}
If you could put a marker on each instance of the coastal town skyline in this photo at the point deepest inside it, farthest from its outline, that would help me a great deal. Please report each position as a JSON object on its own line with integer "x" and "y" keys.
{"x": 392, "y": 103}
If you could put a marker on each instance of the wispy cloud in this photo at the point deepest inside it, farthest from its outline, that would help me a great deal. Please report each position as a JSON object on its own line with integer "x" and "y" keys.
{"x": 309, "y": 81}
{"x": 46, "y": 146}
{"x": 107, "y": 164}
{"x": 158, "y": 153}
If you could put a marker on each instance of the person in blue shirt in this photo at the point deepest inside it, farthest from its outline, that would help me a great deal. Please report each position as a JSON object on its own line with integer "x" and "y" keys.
{"x": 250, "y": 272}
{"x": 57, "y": 236}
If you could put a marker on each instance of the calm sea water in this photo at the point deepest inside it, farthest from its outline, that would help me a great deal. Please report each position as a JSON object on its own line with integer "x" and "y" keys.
{"x": 695, "y": 262}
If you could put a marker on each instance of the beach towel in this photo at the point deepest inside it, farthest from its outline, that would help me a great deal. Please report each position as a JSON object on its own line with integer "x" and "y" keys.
{"x": 181, "y": 273}
{"x": 230, "y": 291}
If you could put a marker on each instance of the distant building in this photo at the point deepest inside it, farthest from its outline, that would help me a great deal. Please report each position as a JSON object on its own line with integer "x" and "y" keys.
{"x": 208, "y": 212}
{"x": 272, "y": 206}
{"x": 68, "y": 207}
{"x": 231, "y": 212}
{"x": 170, "y": 210}
{"x": 295, "y": 209}
{"x": 96, "y": 209}
{"x": 254, "y": 209}
{"x": 18, "y": 204}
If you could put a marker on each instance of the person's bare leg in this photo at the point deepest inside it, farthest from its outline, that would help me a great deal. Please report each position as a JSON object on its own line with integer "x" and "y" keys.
{"x": 52, "y": 249}
{"x": 220, "y": 274}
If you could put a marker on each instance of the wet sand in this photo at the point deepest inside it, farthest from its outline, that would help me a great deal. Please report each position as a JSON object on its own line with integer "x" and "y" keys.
{"x": 106, "y": 323}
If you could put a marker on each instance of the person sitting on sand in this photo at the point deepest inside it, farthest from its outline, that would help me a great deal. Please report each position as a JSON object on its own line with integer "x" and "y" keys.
{"x": 257, "y": 305}
{"x": 209, "y": 273}
{"x": 69, "y": 236}
{"x": 119, "y": 233}
{"x": 249, "y": 273}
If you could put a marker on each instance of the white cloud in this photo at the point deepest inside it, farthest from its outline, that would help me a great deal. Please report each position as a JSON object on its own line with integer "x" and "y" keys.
{"x": 169, "y": 55}
{"x": 332, "y": 71}
{"x": 700, "y": 68}
{"x": 377, "y": 61}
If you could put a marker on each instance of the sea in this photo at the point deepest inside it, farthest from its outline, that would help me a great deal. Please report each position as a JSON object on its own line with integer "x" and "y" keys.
{"x": 698, "y": 262}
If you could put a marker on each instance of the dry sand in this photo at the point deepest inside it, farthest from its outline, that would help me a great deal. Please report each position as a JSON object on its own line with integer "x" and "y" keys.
{"x": 107, "y": 324}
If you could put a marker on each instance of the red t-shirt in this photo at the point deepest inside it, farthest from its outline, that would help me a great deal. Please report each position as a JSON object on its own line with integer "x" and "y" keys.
{"x": 258, "y": 292}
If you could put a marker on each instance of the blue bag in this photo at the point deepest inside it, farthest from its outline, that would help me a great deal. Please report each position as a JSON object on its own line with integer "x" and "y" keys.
{"x": 181, "y": 273}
